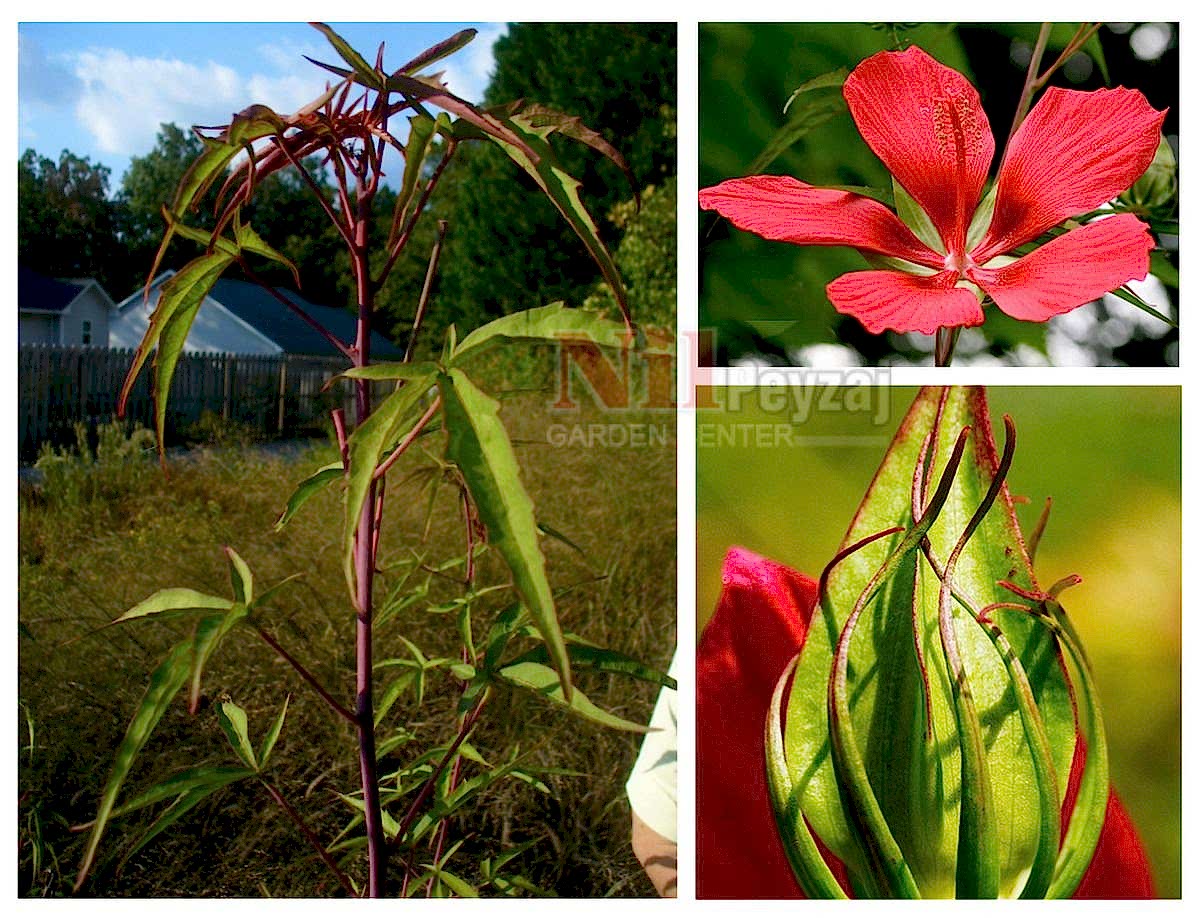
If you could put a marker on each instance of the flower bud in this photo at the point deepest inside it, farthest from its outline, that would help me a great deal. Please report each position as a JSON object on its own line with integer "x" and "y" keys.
{"x": 925, "y": 733}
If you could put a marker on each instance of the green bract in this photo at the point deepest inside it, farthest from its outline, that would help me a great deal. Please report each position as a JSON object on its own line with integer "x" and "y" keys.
{"x": 928, "y": 730}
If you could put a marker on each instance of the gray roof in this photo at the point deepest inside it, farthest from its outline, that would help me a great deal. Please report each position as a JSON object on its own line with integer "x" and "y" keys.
{"x": 258, "y": 308}
{"x": 38, "y": 293}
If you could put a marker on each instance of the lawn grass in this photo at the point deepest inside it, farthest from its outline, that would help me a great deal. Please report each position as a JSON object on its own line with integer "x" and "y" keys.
{"x": 85, "y": 559}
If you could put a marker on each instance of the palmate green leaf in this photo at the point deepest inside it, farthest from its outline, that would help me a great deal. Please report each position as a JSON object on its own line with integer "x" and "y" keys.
{"x": 544, "y": 682}
{"x": 307, "y": 489}
{"x": 810, "y": 106}
{"x": 563, "y": 191}
{"x": 919, "y": 798}
{"x": 367, "y": 444}
{"x": 165, "y": 683}
{"x": 172, "y": 602}
{"x": 555, "y": 322}
{"x": 478, "y": 444}
{"x": 178, "y": 301}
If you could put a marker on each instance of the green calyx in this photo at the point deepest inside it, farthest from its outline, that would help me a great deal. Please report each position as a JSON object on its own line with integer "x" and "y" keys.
{"x": 925, "y": 733}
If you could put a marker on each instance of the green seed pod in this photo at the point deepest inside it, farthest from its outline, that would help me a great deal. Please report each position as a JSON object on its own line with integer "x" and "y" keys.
{"x": 925, "y": 733}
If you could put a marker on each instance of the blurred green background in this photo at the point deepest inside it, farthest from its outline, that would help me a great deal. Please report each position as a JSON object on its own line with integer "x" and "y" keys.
{"x": 766, "y": 300}
{"x": 1110, "y": 459}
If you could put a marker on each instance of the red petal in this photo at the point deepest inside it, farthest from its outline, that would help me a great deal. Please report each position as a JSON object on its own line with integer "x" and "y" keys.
{"x": 783, "y": 209}
{"x": 883, "y": 300}
{"x": 759, "y": 625}
{"x": 1119, "y": 868}
{"x": 1075, "y": 151}
{"x": 925, "y": 122}
{"x": 1070, "y": 270}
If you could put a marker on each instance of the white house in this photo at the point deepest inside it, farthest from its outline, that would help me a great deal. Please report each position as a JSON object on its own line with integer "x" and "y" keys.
{"x": 67, "y": 313}
{"x": 238, "y": 317}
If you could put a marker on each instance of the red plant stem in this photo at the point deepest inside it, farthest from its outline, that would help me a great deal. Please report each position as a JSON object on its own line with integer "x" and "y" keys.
{"x": 430, "y": 272}
{"x": 316, "y": 190}
{"x": 339, "y": 429}
{"x": 305, "y": 675}
{"x": 312, "y": 838}
{"x": 364, "y": 567}
{"x": 408, "y": 439}
{"x": 414, "y": 808}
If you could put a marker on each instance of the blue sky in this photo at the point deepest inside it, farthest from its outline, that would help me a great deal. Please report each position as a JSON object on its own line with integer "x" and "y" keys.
{"x": 101, "y": 90}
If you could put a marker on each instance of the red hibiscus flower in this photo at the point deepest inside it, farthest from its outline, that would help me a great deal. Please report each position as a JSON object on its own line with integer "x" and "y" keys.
{"x": 760, "y": 624}
{"x": 1073, "y": 153}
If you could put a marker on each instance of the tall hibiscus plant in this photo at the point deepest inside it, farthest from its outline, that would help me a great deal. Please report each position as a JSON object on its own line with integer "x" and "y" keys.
{"x": 921, "y": 720}
{"x": 401, "y": 812}
{"x": 1060, "y": 225}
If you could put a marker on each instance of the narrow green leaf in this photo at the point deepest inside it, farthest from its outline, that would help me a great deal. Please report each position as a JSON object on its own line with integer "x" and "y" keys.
{"x": 365, "y": 73}
{"x": 165, "y": 683}
{"x": 1095, "y": 50}
{"x": 268, "y": 745}
{"x": 543, "y": 681}
{"x": 555, "y": 323}
{"x": 810, "y": 106}
{"x": 563, "y": 191}
{"x": 457, "y": 885}
{"x": 367, "y": 444}
{"x": 174, "y": 601}
{"x": 385, "y": 371}
{"x": 1124, "y": 293}
{"x": 179, "y": 784}
{"x": 441, "y": 50}
{"x": 420, "y": 133}
{"x": 479, "y": 445}
{"x": 539, "y": 116}
{"x": 210, "y": 632}
{"x": 249, "y": 241}
{"x": 178, "y": 301}
{"x": 309, "y": 488}
{"x": 982, "y": 218}
{"x": 171, "y": 815}
{"x": 240, "y": 577}
{"x": 607, "y": 661}
{"x": 233, "y": 721}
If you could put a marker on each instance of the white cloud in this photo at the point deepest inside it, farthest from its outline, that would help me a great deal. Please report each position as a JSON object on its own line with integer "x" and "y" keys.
{"x": 124, "y": 98}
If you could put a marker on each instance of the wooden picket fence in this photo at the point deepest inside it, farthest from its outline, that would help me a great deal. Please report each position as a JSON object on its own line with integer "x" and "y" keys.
{"x": 277, "y": 396}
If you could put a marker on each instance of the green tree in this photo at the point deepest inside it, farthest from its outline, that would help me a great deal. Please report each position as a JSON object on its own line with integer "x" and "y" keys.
{"x": 65, "y": 220}
{"x": 510, "y": 248}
